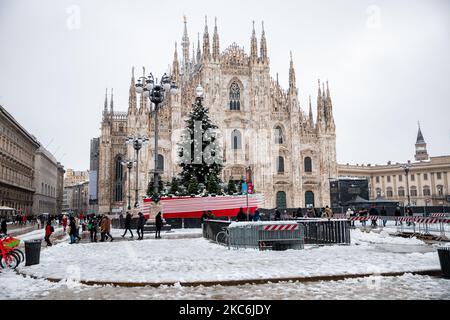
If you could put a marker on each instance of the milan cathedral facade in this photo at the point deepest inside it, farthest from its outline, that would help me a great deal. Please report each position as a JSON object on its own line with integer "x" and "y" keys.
{"x": 263, "y": 126}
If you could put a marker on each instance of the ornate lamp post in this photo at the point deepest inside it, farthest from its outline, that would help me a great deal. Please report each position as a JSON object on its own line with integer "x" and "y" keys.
{"x": 129, "y": 165}
{"x": 137, "y": 145}
{"x": 407, "y": 168}
{"x": 156, "y": 94}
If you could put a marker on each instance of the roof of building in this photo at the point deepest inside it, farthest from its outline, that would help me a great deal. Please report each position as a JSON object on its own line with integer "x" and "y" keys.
{"x": 17, "y": 124}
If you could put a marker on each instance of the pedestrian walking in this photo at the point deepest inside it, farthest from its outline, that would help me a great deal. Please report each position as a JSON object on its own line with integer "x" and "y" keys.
{"x": 92, "y": 227}
{"x": 128, "y": 225}
{"x": 77, "y": 229}
{"x": 383, "y": 213}
{"x": 64, "y": 223}
{"x": 48, "y": 232}
{"x": 4, "y": 227}
{"x": 397, "y": 214}
{"x": 158, "y": 225}
{"x": 140, "y": 226}
{"x": 72, "y": 230}
{"x": 105, "y": 228}
{"x": 373, "y": 212}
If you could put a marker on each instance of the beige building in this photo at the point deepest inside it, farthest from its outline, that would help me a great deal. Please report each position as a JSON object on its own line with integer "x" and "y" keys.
{"x": 46, "y": 183}
{"x": 428, "y": 178}
{"x": 261, "y": 124}
{"x": 76, "y": 198}
{"x": 17, "y": 158}
{"x": 73, "y": 177}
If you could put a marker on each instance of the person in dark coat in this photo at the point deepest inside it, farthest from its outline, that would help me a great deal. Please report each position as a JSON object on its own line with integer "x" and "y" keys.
{"x": 140, "y": 226}
{"x": 73, "y": 230}
{"x": 158, "y": 225}
{"x": 373, "y": 212}
{"x": 241, "y": 216}
{"x": 4, "y": 228}
{"x": 277, "y": 215}
{"x": 128, "y": 225}
{"x": 257, "y": 216}
{"x": 92, "y": 227}
{"x": 204, "y": 217}
{"x": 383, "y": 213}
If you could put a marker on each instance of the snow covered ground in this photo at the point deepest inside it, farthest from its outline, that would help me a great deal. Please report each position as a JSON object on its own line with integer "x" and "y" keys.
{"x": 13, "y": 286}
{"x": 196, "y": 259}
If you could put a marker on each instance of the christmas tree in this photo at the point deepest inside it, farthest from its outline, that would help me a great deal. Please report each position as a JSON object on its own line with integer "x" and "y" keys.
{"x": 151, "y": 186}
{"x": 174, "y": 186}
{"x": 199, "y": 153}
{"x": 193, "y": 187}
{"x": 231, "y": 187}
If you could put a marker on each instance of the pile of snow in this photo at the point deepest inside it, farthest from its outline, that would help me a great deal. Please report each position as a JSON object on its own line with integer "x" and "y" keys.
{"x": 180, "y": 260}
{"x": 357, "y": 237}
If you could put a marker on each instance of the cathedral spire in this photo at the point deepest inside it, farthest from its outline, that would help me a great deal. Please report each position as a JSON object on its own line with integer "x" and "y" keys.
{"x": 199, "y": 53}
{"x": 111, "y": 103}
{"x": 206, "y": 47}
{"x": 132, "y": 109}
{"x": 185, "y": 44}
{"x": 105, "y": 109}
{"x": 175, "y": 66}
{"x": 263, "y": 45}
{"x": 216, "y": 48}
{"x": 254, "y": 45}
{"x": 292, "y": 82}
{"x": 328, "y": 92}
{"x": 311, "y": 120}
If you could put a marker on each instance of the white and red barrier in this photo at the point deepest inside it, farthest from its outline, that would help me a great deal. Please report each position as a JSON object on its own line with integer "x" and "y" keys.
{"x": 437, "y": 215}
{"x": 281, "y": 227}
{"x": 193, "y": 207}
{"x": 429, "y": 220}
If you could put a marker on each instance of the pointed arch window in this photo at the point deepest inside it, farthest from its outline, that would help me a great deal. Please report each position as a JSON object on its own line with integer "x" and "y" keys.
{"x": 118, "y": 185}
{"x": 308, "y": 164}
{"x": 160, "y": 162}
{"x": 236, "y": 140}
{"x": 280, "y": 164}
{"x": 279, "y": 139}
{"x": 235, "y": 96}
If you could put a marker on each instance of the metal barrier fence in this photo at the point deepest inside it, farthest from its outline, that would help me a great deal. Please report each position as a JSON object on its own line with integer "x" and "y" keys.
{"x": 326, "y": 231}
{"x": 211, "y": 228}
{"x": 266, "y": 235}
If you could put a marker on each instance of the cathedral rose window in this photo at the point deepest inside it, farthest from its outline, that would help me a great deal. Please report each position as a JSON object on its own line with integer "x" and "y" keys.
{"x": 235, "y": 97}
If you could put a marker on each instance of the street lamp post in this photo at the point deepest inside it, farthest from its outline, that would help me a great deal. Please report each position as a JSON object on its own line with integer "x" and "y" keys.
{"x": 137, "y": 145}
{"x": 156, "y": 93}
{"x": 407, "y": 168}
{"x": 129, "y": 165}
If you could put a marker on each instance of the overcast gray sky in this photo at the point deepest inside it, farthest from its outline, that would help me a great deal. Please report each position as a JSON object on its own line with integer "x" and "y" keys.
{"x": 387, "y": 62}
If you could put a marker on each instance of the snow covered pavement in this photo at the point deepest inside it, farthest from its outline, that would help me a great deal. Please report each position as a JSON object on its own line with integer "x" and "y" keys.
{"x": 186, "y": 260}
{"x": 13, "y": 286}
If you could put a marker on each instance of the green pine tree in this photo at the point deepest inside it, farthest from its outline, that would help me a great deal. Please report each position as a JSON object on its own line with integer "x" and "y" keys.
{"x": 199, "y": 160}
{"x": 193, "y": 186}
{"x": 231, "y": 187}
{"x": 151, "y": 184}
{"x": 174, "y": 186}
{"x": 213, "y": 185}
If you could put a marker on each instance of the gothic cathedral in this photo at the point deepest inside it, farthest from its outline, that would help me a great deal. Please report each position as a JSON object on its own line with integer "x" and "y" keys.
{"x": 262, "y": 126}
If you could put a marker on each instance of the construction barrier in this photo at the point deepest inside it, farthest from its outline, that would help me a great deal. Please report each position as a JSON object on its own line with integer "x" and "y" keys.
{"x": 326, "y": 231}
{"x": 266, "y": 235}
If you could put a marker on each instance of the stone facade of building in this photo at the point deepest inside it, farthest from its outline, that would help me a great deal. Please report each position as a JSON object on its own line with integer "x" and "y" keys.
{"x": 262, "y": 126}
{"x": 45, "y": 182}
{"x": 76, "y": 198}
{"x": 428, "y": 178}
{"x": 17, "y": 158}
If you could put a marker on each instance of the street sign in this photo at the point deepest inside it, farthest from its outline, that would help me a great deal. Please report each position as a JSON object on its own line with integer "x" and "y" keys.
{"x": 427, "y": 200}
